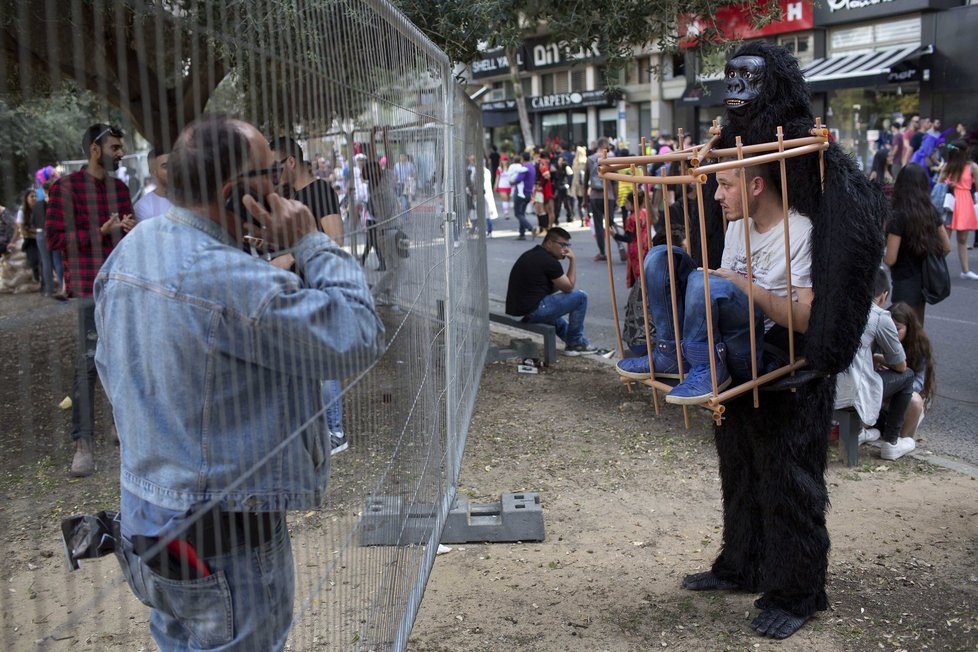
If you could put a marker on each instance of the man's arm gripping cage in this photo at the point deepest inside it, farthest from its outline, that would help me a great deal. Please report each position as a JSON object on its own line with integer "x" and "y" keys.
{"x": 696, "y": 163}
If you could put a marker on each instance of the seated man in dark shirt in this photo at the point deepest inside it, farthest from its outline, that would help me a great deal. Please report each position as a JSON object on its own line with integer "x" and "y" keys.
{"x": 533, "y": 283}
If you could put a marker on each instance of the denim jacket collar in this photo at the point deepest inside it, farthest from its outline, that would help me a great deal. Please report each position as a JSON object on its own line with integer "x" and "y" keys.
{"x": 201, "y": 222}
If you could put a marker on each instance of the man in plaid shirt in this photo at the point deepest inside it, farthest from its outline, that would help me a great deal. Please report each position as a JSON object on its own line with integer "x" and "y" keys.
{"x": 88, "y": 213}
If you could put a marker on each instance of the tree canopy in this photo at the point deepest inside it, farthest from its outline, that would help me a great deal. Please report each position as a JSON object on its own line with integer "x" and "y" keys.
{"x": 614, "y": 27}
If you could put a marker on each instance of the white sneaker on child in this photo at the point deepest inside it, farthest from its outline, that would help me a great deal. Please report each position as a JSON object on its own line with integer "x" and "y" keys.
{"x": 895, "y": 451}
{"x": 868, "y": 435}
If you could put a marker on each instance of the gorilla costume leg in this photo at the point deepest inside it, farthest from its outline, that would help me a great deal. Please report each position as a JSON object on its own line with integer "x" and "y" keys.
{"x": 772, "y": 465}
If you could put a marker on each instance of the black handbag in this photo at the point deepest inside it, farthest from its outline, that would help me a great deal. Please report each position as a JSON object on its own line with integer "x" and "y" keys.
{"x": 936, "y": 285}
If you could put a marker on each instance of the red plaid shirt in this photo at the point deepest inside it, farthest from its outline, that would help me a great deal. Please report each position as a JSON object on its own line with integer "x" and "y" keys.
{"x": 78, "y": 205}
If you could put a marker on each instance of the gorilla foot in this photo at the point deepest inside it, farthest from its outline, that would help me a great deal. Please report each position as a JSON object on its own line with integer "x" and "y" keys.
{"x": 762, "y": 603}
{"x": 777, "y": 623}
{"x": 707, "y": 581}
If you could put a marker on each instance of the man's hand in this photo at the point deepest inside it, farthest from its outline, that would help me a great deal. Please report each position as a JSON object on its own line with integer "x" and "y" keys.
{"x": 127, "y": 223}
{"x": 739, "y": 281}
{"x": 112, "y": 227}
{"x": 286, "y": 224}
{"x": 569, "y": 254}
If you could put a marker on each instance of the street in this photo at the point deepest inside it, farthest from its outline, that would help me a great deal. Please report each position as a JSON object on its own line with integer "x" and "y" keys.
{"x": 949, "y": 429}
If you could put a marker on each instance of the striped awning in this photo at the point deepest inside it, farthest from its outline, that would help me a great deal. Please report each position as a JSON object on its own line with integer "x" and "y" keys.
{"x": 856, "y": 69}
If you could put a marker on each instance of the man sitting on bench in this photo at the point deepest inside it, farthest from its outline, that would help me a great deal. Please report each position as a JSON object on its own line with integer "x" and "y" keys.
{"x": 728, "y": 292}
{"x": 531, "y": 295}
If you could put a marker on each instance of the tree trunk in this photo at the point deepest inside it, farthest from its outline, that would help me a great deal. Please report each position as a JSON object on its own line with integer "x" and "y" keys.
{"x": 514, "y": 75}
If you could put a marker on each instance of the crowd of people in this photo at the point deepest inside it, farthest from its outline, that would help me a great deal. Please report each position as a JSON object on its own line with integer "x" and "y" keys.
{"x": 892, "y": 380}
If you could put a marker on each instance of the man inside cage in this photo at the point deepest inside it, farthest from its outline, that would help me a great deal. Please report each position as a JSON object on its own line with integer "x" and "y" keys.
{"x": 213, "y": 360}
{"x": 728, "y": 292}
{"x": 541, "y": 292}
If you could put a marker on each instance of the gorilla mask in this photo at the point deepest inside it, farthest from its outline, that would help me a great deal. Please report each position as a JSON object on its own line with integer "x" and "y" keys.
{"x": 744, "y": 76}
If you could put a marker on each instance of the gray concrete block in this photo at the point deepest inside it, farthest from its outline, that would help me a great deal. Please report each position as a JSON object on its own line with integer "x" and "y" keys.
{"x": 388, "y": 521}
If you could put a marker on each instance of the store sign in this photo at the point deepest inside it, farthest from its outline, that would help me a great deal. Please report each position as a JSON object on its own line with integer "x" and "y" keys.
{"x": 499, "y": 105}
{"x": 495, "y": 63}
{"x": 834, "y": 12}
{"x": 568, "y": 100}
{"x": 544, "y": 54}
{"x": 735, "y": 22}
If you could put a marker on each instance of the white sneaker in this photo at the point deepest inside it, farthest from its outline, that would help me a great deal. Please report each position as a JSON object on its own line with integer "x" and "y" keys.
{"x": 971, "y": 276}
{"x": 868, "y": 435}
{"x": 895, "y": 451}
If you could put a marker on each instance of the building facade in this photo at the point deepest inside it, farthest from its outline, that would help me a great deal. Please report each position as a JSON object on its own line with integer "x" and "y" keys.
{"x": 869, "y": 63}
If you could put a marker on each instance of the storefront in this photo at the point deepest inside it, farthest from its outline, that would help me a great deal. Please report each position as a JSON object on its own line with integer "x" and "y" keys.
{"x": 877, "y": 68}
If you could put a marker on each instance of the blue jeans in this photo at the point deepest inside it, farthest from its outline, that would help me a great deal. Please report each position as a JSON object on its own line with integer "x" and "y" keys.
{"x": 50, "y": 261}
{"x": 245, "y": 604}
{"x": 334, "y": 405}
{"x": 553, "y": 307}
{"x": 519, "y": 209}
{"x": 86, "y": 375}
{"x": 597, "y": 215}
{"x": 730, "y": 307}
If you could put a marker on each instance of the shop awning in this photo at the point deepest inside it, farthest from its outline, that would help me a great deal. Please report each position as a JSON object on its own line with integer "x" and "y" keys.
{"x": 900, "y": 64}
{"x": 853, "y": 70}
{"x": 493, "y": 119}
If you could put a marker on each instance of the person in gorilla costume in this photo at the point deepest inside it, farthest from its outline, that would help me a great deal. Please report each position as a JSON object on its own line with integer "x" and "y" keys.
{"x": 772, "y": 459}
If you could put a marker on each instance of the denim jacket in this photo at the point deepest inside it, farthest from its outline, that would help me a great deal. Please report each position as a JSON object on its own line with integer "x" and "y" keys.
{"x": 213, "y": 362}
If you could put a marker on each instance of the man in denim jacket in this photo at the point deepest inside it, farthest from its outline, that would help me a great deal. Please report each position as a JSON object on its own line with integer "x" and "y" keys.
{"x": 213, "y": 361}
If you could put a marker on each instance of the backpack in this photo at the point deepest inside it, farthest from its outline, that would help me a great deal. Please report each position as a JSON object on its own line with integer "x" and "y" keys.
{"x": 596, "y": 182}
{"x": 936, "y": 281}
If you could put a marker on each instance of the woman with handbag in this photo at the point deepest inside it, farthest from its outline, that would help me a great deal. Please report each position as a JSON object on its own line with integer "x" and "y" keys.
{"x": 961, "y": 174}
{"x": 914, "y": 231}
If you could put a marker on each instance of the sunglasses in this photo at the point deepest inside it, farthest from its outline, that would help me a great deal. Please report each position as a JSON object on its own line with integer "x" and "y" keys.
{"x": 274, "y": 171}
{"x": 115, "y": 132}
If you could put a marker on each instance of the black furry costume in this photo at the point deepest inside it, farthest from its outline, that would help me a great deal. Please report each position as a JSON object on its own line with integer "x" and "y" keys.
{"x": 772, "y": 459}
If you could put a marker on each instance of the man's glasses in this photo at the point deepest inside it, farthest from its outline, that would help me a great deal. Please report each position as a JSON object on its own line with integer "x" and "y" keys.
{"x": 562, "y": 245}
{"x": 115, "y": 132}
{"x": 274, "y": 171}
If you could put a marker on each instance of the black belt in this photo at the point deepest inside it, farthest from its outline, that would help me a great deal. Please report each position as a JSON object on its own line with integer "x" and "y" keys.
{"x": 217, "y": 532}
{"x": 212, "y": 533}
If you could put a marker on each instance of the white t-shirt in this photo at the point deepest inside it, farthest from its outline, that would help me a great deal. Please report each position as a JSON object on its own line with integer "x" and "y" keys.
{"x": 151, "y": 205}
{"x": 767, "y": 255}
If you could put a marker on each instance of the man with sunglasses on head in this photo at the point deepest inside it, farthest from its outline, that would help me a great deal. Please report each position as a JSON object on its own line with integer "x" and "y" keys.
{"x": 214, "y": 361}
{"x": 542, "y": 293}
{"x": 88, "y": 212}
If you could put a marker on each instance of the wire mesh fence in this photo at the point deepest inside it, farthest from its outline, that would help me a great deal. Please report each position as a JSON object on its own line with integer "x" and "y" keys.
{"x": 353, "y": 97}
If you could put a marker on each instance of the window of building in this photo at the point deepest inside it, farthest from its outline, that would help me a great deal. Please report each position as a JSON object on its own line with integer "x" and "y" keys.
{"x": 644, "y": 121}
{"x": 527, "y": 85}
{"x": 800, "y": 45}
{"x": 561, "y": 82}
{"x": 637, "y": 71}
{"x": 578, "y": 80}
{"x": 863, "y": 38}
{"x": 547, "y": 83}
{"x": 608, "y": 123}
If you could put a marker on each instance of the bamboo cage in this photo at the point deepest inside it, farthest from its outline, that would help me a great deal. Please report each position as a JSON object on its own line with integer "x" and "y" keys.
{"x": 696, "y": 163}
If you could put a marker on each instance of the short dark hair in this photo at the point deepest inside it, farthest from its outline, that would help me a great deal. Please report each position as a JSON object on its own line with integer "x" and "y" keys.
{"x": 525, "y": 156}
{"x": 211, "y": 151}
{"x": 556, "y": 232}
{"x": 97, "y": 134}
{"x": 287, "y": 146}
{"x": 157, "y": 152}
{"x": 881, "y": 283}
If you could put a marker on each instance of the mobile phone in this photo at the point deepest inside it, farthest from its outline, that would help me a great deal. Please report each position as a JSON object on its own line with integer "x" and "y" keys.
{"x": 235, "y": 204}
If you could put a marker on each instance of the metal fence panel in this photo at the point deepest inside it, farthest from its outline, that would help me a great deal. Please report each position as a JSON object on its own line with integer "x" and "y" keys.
{"x": 354, "y": 83}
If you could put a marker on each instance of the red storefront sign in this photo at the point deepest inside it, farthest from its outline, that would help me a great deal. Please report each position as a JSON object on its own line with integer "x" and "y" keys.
{"x": 734, "y": 22}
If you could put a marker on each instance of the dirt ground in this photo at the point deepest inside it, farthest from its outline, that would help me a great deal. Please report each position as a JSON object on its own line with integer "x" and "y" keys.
{"x": 631, "y": 504}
